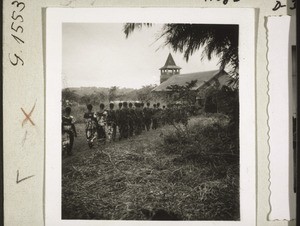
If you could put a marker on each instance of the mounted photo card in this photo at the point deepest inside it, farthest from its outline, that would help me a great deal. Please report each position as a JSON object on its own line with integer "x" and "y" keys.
{"x": 157, "y": 114}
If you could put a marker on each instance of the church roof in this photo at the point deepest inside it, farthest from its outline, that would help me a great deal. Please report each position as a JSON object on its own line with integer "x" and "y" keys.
{"x": 202, "y": 78}
{"x": 170, "y": 63}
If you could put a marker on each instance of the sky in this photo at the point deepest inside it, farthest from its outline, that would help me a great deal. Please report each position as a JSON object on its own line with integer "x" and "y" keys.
{"x": 100, "y": 55}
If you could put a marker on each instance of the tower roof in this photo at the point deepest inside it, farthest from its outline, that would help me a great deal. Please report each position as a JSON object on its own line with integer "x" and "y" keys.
{"x": 170, "y": 63}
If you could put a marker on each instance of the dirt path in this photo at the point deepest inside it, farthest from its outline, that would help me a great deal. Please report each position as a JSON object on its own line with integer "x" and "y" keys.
{"x": 153, "y": 137}
{"x": 146, "y": 139}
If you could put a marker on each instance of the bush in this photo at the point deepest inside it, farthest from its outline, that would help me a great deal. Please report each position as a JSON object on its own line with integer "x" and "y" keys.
{"x": 213, "y": 139}
{"x": 212, "y": 146}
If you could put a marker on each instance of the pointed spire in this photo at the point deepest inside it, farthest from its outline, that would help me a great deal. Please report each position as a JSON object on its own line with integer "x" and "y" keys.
{"x": 170, "y": 63}
{"x": 169, "y": 69}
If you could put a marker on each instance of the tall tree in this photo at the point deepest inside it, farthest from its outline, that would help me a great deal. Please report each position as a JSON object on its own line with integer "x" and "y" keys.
{"x": 144, "y": 94}
{"x": 112, "y": 93}
{"x": 69, "y": 95}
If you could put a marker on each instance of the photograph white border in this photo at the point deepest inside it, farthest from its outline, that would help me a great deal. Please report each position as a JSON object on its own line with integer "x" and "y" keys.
{"x": 243, "y": 17}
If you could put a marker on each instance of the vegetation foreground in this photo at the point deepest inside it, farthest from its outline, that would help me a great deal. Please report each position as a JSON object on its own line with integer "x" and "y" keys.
{"x": 192, "y": 172}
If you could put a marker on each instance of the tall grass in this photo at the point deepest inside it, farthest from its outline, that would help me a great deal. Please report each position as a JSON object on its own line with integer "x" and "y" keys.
{"x": 192, "y": 172}
{"x": 209, "y": 136}
{"x": 213, "y": 145}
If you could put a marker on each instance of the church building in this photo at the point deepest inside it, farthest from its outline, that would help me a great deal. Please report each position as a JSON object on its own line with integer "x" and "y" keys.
{"x": 170, "y": 75}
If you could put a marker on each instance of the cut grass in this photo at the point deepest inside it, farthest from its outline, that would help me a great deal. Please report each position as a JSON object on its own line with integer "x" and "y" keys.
{"x": 115, "y": 181}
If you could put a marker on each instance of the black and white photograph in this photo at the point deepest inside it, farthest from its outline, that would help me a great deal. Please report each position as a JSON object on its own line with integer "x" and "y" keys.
{"x": 150, "y": 121}
{"x": 141, "y": 139}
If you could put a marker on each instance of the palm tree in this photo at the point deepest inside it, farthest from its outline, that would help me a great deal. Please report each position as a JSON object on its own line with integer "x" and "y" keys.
{"x": 216, "y": 39}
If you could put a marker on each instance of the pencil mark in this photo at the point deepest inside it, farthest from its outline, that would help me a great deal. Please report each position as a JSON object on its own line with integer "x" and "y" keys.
{"x": 294, "y": 5}
{"x": 17, "y": 17}
{"x": 27, "y": 116}
{"x": 25, "y": 178}
{"x": 17, "y": 59}
{"x": 17, "y": 3}
{"x": 224, "y": 1}
{"x": 17, "y": 29}
{"x": 278, "y": 5}
{"x": 16, "y": 32}
{"x": 24, "y": 138}
{"x": 69, "y": 2}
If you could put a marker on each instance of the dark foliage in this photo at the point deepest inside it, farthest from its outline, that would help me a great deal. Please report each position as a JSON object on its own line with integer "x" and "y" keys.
{"x": 184, "y": 94}
{"x": 70, "y": 95}
{"x": 112, "y": 93}
{"x": 144, "y": 94}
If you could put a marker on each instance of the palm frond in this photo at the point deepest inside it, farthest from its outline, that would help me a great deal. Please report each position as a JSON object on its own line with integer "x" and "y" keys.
{"x": 129, "y": 28}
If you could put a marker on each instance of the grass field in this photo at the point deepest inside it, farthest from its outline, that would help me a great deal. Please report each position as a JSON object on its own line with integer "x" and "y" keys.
{"x": 155, "y": 170}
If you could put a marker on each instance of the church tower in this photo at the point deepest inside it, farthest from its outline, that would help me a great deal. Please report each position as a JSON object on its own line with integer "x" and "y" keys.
{"x": 169, "y": 69}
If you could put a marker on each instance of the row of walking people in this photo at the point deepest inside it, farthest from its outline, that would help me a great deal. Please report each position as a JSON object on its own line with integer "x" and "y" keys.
{"x": 127, "y": 120}
{"x": 110, "y": 124}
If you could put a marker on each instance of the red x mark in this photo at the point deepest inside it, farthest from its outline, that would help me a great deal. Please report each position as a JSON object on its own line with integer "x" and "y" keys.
{"x": 28, "y": 116}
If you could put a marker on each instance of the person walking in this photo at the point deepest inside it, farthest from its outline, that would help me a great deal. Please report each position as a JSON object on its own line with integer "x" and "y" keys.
{"x": 68, "y": 131}
{"x": 124, "y": 121}
{"x": 111, "y": 123}
{"x": 147, "y": 116}
{"x": 132, "y": 119}
{"x": 101, "y": 119}
{"x": 154, "y": 117}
